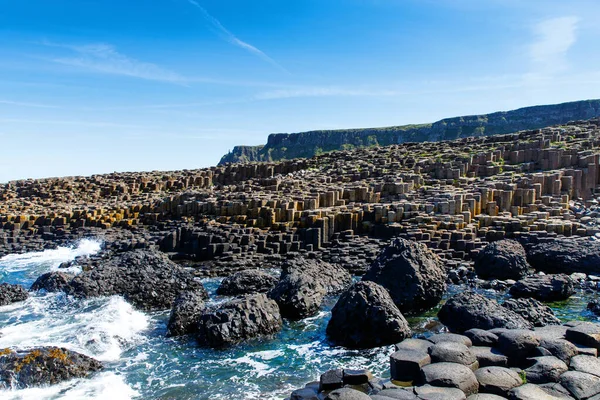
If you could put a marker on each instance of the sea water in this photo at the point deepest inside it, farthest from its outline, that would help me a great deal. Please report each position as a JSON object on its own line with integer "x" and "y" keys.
{"x": 141, "y": 363}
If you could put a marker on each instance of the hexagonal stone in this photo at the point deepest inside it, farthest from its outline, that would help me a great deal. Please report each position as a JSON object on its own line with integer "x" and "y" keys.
{"x": 489, "y": 357}
{"x": 480, "y": 337}
{"x": 332, "y": 379}
{"x": 485, "y": 396}
{"x": 545, "y": 369}
{"x": 405, "y": 365}
{"x": 497, "y": 380}
{"x": 560, "y": 348}
{"x": 452, "y": 352}
{"x": 587, "y": 334}
{"x": 450, "y": 337}
{"x": 304, "y": 394}
{"x": 347, "y": 394}
{"x": 356, "y": 376}
{"x": 580, "y": 384}
{"x": 530, "y": 391}
{"x": 587, "y": 364}
{"x": 428, "y": 392}
{"x": 397, "y": 394}
{"x": 450, "y": 375}
{"x": 517, "y": 344}
{"x": 414, "y": 344}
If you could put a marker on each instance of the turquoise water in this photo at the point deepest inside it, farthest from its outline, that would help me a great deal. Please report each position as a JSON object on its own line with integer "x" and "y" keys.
{"x": 142, "y": 363}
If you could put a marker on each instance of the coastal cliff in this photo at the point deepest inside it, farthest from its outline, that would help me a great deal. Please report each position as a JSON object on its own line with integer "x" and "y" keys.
{"x": 286, "y": 146}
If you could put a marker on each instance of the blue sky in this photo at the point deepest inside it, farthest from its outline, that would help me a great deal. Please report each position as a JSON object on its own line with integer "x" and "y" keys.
{"x": 95, "y": 86}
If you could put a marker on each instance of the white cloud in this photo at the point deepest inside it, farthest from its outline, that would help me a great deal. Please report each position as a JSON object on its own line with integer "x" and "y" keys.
{"x": 323, "y": 92}
{"x": 231, "y": 38}
{"x": 553, "y": 39}
{"x": 104, "y": 58}
{"x": 25, "y": 104}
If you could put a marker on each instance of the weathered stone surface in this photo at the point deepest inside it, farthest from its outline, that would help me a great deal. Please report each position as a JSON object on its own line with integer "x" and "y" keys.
{"x": 504, "y": 259}
{"x": 560, "y": 348}
{"x": 331, "y": 380}
{"x": 587, "y": 364}
{"x": 43, "y": 366}
{"x": 450, "y": 375}
{"x": 489, "y": 357}
{"x": 10, "y": 293}
{"x": 566, "y": 256}
{"x": 397, "y": 394}
{"x": 413, "y": 275}
{"x": 533, "y": 311}
{"x": 545, "y": 369}
{"x": 518, "y": 344}
{"x": 357, "y": 376}
{"x": 530, "y": 391}
{"x": 544, "y": 287}
{"x": 497, "y": 380}
{"x": 470, "y": 310}
{"x": 365, "y": 316}
{"x": 429, "y": 392}
{"x": 55, "y": 281}
{"x": 406, "y": 364}
{"x": 346, "y": 394}
{"x": 303, "y": 285}
{"x": 452, "y": 352}
{"x": 248, "y": 317}
{"x": 185, "y": 314}
{"x": 148, "y": 279}
{"x": 485, "y": 396}
{"x": 247, "y": 282}
{"x": 450, "y": 337}
{"x": 480, "y": 337}
{"x": 580, "y": 384}
{"x": 585, "y": 333}
{"x": 304, "y": 394}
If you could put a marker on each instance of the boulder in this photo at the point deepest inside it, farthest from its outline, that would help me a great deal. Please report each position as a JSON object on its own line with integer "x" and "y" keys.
{"x": 518, "y": 344}
{"x": 406, "y": 364}
{"x": 247, "y": 317}
{"x": 504, "y": 259}
{"x": 10, "y": 293}
{"x": 246, "y": 282}
{"x": 53, "y": 282}
{"x": 450, "y": 375}
{"x": 497, "y": 380}
{"x": 413, "y": 275}
{"x": 566, "y": 256}
{"x": 453, "y": 352}
{"x": 43, "y": 366}
{"x": 303, "y": 285}
{"x": 544, "y": 287}
{"x": 146, "y": 278}
{"x": 545, "y": 369}
{"x": 468, "y": 310}
{"x": 480, "y": 337}
{"x": 185, "y": 314}
{"x": 365, "y": 316}
{"x": 533, "y": 311}
{"x": 489, "y": 357}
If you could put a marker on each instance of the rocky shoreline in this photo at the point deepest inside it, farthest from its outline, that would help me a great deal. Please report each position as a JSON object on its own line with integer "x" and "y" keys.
{"x": 516, "y": 213}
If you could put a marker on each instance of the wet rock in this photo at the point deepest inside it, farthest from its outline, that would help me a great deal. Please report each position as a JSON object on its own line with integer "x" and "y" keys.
{"x": 497, "y": 380}
{"x": 413, "y": 274}
{"x": 53, "y": 282}
{"x": 450, "y": 375}
{"x": 504, "y": 259}
{"x": 10, "y": 293}
{"x": 533, "y": 311}
{"x": 545, "y": 369}
{"x": 148, "y": 279}
{"x": 365, "y": 316}
{"x": 247, "y": 317}
{"x": 357, "y": 376}
{"x": 303, "y": 285}
{"x": 185, "y": 314}
{"x": 544, "y": 287}
{"x": 43, "y": 366}
{"x": 470, "y": 310}
{"x": 304, "y": 394}
{"x": 246, "y": 282}
{"x": 567, "y": 256}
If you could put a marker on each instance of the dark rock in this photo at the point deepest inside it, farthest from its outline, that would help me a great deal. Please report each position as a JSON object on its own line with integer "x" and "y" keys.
{"x": 504, "y": 259}
{"x": 594, "y": 306}
{"x": 332, "y": 379}
{"x": 566, "y": 256}
{"x": 304, "y": 394}
{"x": 580, "y": 384}
{"x": 346, "y": 394}
{"x": 413, "y": 274}
{"x": 586, "y": 333}
{"x": 43, "y": 366}
{"x": 450, "y": 375}
{"x": 480, "y": 337}
{"x": 450, "y": 337}
{"x": 545, "y": 369}
{"x": 53, "y": 282}
{"x": 489, "y": 357}
{"x": 518, "y": 344}
{"x": 365, "y": 316}
{"x": 560, "y": 348}
{"x": 148, "y": 279}
{"x": 246, "y": 282}
{"x": 470, "y": 310}
{"x": 497, "y": 380}
{"x": 533, "y": 311}
{"x": 396, "y": 393}
{"x": 10, "y": 293}
{"x": 185, "y": 314}
{"x": 303, "y": 285}
{"x": 248, "y": 317}
{"x": 452, "y": 352}
{"x": 357, "y": 376}
{"x": 406, "y": 364}
{"x": 544, "y": 287}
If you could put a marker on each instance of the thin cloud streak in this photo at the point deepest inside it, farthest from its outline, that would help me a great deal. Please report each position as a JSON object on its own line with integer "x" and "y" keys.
{"x": 231, "y": 38}
{"x": 104, "y": 58}
{"x": 25, "y": 104}
{"x": 553, "y": 39}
